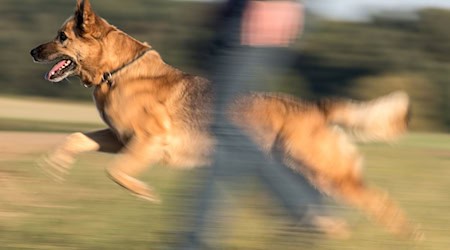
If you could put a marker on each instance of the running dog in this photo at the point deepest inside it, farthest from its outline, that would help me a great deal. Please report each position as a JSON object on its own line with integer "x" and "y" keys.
{"x": 157, "y": 114}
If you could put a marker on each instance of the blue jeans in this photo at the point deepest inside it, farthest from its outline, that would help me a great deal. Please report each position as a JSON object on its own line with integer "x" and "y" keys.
{"x": 238, "y": 70}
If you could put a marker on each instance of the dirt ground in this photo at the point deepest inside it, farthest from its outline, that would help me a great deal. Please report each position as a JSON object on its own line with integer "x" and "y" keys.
{"x": 47, "y": 110}
{"x": 15, "y": 143}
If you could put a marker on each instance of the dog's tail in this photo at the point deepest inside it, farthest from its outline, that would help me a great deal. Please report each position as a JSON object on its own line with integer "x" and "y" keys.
{"x": 381, "y": 119}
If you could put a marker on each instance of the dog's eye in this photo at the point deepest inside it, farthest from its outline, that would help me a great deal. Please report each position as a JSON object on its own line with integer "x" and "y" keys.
{"x": 62, "y": 36}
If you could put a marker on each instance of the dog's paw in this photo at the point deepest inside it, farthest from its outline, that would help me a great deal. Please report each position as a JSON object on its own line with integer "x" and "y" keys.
{"x": 148, "y": 195}
{"x": 136, "y": 187}
{"x": 331, "y": 227}
{"x": 56, "y": 165}
{"x": 417, "y": 234}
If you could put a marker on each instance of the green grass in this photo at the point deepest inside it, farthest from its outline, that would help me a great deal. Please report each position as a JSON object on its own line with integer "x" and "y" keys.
{"x": 89, "y": 211}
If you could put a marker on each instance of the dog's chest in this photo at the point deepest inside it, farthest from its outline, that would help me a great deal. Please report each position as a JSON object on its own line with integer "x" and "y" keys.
{"x": 115, "y": 111}
{"x": 130, "y": 113}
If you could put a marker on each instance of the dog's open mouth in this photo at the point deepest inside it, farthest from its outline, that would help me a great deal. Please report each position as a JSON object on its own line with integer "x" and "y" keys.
{"x": 62, "y": 69}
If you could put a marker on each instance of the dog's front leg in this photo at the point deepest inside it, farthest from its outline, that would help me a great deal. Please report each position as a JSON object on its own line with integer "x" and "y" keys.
{"x": 58, "y": 162}
{"x": 137, "y": 155}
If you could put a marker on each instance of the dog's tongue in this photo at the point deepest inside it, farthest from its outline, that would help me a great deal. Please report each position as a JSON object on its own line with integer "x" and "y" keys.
{"x": 55, "y": 68}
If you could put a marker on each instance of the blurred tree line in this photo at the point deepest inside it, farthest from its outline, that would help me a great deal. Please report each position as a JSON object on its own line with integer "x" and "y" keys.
{"x": 359, "y": 60}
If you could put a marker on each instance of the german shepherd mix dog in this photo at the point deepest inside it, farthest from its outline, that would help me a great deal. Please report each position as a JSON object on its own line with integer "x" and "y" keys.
{"x": 158, "y": 114}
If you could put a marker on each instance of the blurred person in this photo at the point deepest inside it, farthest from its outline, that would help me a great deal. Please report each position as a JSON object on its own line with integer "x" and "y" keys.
{"x": 252, "y": 43}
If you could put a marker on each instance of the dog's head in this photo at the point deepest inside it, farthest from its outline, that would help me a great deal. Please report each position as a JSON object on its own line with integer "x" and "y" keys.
{"x": 77, "y": 48}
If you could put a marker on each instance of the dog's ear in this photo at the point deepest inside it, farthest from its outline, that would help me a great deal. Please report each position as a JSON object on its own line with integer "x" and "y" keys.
{"x": 85, "y": 18}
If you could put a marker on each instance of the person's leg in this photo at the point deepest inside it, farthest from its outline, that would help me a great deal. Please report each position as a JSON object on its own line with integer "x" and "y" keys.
{"x": 304, "y": 204}
{"x": 235, "y": 155}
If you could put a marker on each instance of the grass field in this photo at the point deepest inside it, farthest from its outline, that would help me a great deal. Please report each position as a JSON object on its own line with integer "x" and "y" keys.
{"x": 88, "y": 211}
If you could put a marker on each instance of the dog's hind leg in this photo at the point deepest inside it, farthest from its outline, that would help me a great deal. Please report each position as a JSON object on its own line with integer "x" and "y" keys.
{"x": 58, "y": 162}
{"x": 378, "y": 205}
{"x": 332, "y": 163}
{"x": 137, "y": 156}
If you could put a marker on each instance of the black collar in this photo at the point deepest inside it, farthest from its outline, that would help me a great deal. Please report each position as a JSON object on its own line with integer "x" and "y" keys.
{"x": 107, "y": 76}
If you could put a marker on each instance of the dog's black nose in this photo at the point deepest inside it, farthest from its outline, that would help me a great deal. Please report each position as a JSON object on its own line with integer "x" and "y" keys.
{"x": 33, "y": 53}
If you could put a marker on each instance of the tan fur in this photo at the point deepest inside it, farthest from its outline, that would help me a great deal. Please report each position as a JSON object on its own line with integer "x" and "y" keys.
{"x": 158, "y": 114}
{"x": 310, "y": 138}
{"x": 381, "y": 119}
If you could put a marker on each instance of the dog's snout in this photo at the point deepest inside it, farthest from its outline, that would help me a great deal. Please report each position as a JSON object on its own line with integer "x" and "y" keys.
{"x": 43, "y": 52}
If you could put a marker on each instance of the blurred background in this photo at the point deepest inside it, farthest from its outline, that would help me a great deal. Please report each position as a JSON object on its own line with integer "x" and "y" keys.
{"x": 352, "y": 48}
